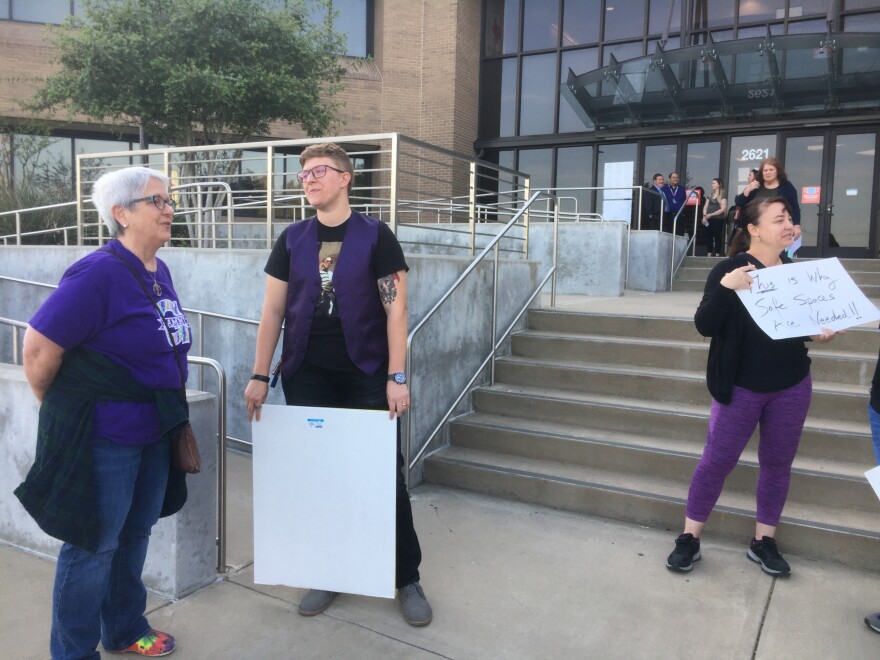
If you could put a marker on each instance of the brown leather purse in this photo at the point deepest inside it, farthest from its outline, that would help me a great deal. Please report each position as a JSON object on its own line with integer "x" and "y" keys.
{"x": 185, "y": 451}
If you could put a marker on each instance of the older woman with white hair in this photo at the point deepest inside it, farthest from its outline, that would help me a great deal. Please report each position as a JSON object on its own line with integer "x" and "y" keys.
{"x": 106, "y": 357}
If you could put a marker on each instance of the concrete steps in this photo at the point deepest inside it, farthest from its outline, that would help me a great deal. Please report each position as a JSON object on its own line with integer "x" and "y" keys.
{"x": 694, "y": 271}
{"x": 607, "y": 415}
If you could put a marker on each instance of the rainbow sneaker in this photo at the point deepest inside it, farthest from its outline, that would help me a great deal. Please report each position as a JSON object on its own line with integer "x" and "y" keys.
{"x": 153, "y": 644}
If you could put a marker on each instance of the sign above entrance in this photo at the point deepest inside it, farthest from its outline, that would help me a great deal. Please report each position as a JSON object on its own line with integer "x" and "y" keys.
{"x": 811, "y": 194}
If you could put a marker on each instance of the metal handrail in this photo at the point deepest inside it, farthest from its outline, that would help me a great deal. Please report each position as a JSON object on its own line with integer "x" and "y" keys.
{"x": 409, "y": 462}
{"x": 221, "y": 456}
{"x": 673, "y": 266}
{"x": 17, "y": 326}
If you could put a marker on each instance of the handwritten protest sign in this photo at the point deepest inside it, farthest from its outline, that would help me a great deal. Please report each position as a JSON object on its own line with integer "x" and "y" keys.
{"x": 799, "y": 299}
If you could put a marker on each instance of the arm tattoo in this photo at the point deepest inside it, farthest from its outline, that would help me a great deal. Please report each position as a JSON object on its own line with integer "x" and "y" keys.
{"x": 388, "y": 288}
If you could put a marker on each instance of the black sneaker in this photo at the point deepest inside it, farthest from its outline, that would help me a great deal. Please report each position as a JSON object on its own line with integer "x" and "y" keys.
{"x": 873, "y": 622}
{"x": 687, "y": 551}
{"x": 766, "y": 553}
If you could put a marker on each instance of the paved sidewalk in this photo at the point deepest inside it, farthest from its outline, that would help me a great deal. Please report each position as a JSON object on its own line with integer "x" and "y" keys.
{"x": 506, "y": 580}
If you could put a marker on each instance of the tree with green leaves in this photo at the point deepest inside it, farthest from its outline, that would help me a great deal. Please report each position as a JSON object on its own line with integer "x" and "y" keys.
{"x": 199, "y": 71}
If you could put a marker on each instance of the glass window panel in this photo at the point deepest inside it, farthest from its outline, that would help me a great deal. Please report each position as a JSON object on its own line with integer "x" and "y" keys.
{"x": 803, "y": 156}
{"x": 579, "y": 61}
{"x": 624, "y": 18}
{"x": 862, "y": 23}
{"x": 659, "y": 15}
{"x": 703, "y": 164}
{"x": 748, "y": 33}
{"x": 502, "y": 26}
{"x": 859, "y": 4}
{"x": 761, "y": 10}
{"x": 84, "y": 146}
{"x": 722, "y": 35}
{"x": 574, "y": 169}
{"x": 803, "y": 63}
{"x": 659, "y": 159}
{"x": 50, "y": 164}
{"x": 44, "y": 11}
{"x": 93, "y": 167}
{"x": 752, "y": 68}
{"x": 4, "y": 8}
{"x": 615, "y": 158}
{"x": 671, "y": 44}
{"x": 540, "y": 24}
{"x": 747, "y": 152}
{"x": 581, "y": 22}
{"x": 807, "y": 27}
{"x": 622, "y": 52}
{"x": 537, "y": 94}
{"x": 351, "y": 20}
{"x": 713, "y": 13}
{"x": 798, "y": 8}
{"x": 853, "y": 189}
{"x": 537, "y": 163}
{"x": 507, "y": 109}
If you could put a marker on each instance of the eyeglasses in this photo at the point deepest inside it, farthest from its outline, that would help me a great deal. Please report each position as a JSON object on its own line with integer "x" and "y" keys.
{"x": 317, "y": 172}
{"x": 157, "y": 200}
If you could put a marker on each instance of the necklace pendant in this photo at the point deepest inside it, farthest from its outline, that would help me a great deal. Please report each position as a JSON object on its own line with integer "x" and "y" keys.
{"x": 157, "y": 289}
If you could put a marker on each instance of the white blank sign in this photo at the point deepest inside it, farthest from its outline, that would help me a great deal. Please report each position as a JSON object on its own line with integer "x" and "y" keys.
{"x": 325, "y": 499}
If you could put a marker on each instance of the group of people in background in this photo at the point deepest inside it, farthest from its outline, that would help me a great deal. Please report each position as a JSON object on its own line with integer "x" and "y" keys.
{"x": 664, "y": 198}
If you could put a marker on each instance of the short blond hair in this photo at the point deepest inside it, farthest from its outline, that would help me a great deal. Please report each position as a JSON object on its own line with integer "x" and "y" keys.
{"x": 332, "y": 151}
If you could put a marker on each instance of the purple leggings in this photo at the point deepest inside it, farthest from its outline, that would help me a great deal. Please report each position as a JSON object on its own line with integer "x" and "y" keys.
{"x": 781, "y": 415}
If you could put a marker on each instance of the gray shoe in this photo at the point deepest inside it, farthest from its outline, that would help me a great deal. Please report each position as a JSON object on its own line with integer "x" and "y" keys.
{"x": 414, "y": 605}
{"x": 316, "y": 601}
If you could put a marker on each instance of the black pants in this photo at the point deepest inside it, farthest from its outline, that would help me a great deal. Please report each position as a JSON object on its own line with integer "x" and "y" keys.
{"x": 326, "y": 388}
{"x": 713, "y": 235}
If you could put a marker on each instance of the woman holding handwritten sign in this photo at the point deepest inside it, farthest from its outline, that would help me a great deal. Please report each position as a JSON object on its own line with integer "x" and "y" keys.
{"x": 753, "y": 379}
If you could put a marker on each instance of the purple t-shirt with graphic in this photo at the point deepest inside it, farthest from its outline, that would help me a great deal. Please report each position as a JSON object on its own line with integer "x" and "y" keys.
{"x": 100, "y": 306}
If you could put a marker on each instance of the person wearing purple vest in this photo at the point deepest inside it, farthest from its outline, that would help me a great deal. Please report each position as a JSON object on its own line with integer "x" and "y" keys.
{"x": 337, "y": 283}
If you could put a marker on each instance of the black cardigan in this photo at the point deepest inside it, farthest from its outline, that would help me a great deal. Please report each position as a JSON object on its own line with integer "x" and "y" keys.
{"x": 723, "y": 317}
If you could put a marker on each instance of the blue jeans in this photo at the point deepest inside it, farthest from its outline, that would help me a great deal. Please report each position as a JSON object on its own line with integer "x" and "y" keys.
{"x": 101, "y": 596}
{"x": 874, "y": 419}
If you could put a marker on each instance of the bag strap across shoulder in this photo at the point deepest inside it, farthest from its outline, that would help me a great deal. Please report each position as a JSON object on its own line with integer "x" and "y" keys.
{"x": 156, "y": 305}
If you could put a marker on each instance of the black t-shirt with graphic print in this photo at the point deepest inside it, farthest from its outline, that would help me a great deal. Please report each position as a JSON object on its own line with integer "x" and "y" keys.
{"x": 326, "y": 348}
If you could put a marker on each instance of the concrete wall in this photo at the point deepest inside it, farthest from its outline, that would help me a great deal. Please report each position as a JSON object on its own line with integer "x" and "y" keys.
{"x": 650, "y": 259}
{"x": 446, "y": 353}
{"x": 183, "y": 552}
{"x": 590, "y": 255}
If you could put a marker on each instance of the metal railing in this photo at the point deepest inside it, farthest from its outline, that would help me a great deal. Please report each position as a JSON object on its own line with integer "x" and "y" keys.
{"x": 18, "y": 326}
{"x": 492, "y": 247}
{"x": 675, "y": 264}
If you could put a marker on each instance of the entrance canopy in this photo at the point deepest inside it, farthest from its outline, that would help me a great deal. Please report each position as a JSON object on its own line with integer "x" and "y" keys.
{"x": 774, "y": 76}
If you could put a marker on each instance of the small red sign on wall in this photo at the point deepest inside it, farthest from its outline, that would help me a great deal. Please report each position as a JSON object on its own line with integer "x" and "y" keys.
{"x": 810, "y": 194}
{"x": 693, "y": 198}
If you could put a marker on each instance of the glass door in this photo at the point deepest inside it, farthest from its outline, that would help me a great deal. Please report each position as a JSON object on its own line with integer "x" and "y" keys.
{"x": 834, "y": 174}
{"x": 848, "y": 211}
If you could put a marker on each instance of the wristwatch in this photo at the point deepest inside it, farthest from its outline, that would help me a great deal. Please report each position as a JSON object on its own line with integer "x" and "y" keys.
{"x": 398, "y": 377}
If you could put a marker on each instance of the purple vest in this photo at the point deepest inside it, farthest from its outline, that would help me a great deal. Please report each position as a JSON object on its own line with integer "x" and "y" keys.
{"x": 364, "y": 322}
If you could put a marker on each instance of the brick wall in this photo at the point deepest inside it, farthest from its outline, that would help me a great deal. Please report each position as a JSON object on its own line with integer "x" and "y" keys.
{"x": 423, "y": 82}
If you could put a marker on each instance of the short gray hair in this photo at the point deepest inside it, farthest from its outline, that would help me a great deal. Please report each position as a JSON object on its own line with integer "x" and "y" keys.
{"x": 118, "y": 188}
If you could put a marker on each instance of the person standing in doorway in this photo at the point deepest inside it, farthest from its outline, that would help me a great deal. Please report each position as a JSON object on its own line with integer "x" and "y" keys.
{"x": 714, "y": 214}
{"x": 675, "y": 198}
{"x": 653, "y": 204}
{"x": 773, "y": 183}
